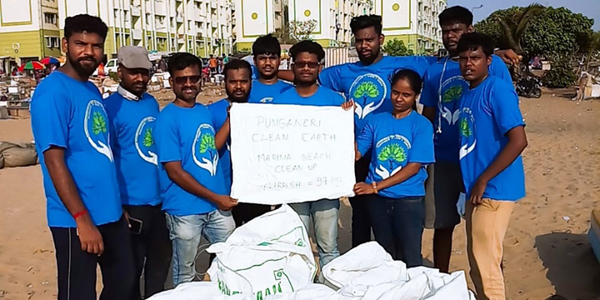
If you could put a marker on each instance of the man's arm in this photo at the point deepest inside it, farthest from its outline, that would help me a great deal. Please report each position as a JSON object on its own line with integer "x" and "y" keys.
{"x": 429, "y": 113}
{"x": 286, "y": 75}
{"x": 517, "y": 142}
{"x": 188, "y": 183}
{"x": 89, "y": 236}
{"x": 509, "y": 56}
{"x": 222, "y": 135}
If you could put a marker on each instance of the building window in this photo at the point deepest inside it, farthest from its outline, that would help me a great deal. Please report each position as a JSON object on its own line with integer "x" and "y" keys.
{"x": 50, "y": 18}
{"x": 52, "y": 42}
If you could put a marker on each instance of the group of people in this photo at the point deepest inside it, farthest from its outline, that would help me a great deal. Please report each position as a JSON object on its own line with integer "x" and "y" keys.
{"x": 133, "y": 188}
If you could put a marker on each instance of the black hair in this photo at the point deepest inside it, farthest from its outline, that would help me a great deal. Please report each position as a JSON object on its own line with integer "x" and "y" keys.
{"x": 474, "y": 40}
{"x": 413, "y": 78}
{"x": 366, "y": 21}
{"x": 456, "y": 14}
{"x": 307, "y": 46}
{"x": 85, "y": 23}
{"x": 237, "y": 64}
{"x": 266, "y": 44}
{"x": 181, "y": 60}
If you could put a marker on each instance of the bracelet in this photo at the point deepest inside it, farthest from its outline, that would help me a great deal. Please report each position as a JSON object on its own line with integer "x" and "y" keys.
{"x": 374, "y": 185}
{"x": 79, "y": 214}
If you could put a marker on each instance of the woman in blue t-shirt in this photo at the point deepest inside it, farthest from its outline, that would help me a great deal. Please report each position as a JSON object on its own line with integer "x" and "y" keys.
{"x": 400, "y": 145}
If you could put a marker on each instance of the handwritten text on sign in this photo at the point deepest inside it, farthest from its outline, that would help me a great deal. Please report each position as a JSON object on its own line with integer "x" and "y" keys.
{"x": 289, "y": 153}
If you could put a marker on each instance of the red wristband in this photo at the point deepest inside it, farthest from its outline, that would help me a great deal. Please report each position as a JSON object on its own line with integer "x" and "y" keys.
{"x": 79, "y": 214}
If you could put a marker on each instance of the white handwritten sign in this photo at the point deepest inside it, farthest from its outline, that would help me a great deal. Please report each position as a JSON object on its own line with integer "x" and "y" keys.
{"x": 290, "y": 153}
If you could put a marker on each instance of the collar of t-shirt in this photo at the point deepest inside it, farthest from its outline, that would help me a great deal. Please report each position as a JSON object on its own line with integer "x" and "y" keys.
{"x": 127, "y": 94}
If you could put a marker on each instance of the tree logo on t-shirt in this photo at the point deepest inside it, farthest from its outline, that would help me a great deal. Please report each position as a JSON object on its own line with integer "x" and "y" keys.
{"x": 466, "y": 128}
{"x": 95, "y": 128}
{"x": 391, "y": 155}
{"x": 368, "y": 92}
{"x": 144, "y": 140}
{"x": 453, "y": 93}
{"x": 204, "y": 150}
{"x": 452, "y": 88}
{"x": 266, "y": 100}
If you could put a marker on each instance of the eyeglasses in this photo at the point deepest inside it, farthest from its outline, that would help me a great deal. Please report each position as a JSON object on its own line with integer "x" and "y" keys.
{"x": 302, "y": 65}
{"x": 184, "y": 79}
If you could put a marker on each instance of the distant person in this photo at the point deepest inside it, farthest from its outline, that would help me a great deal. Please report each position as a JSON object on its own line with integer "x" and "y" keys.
{"x": 492, "y": 138}
{"x": 307, "y": 57}
{"x": 400, "y": 145}
{"x": 132, "y": 114}
{"x": 195, "y": 196}
{"x": 237, "y": 86}
{"x": 213, "y": 64}
{"x": 266, "y": 51}
{"x": 72, "y": 137}
{"x": 226, "y": 58}
{"x": 443, "y": 86}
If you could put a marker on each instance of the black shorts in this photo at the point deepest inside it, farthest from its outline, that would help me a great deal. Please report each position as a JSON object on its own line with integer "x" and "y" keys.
{"x": 447, "y": 186}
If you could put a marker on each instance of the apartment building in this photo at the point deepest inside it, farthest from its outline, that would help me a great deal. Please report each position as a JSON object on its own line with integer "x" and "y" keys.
{"x": 29, "y": 29}
{"x": 32, "y": 29}
{"x": 413, "y": 21}
{"x": 332, "y": 19}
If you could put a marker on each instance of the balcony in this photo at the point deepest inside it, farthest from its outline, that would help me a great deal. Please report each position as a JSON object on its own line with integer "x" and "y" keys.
{"x": 137, "y": 34}
{"x": 213, "y": 4}
{"x": 179, "y": 18}
{"x": 117, "y": 4}
{"x": 214, "y": 22}
{"x": 160, "y": 10}
{"x": 136, "y": 11}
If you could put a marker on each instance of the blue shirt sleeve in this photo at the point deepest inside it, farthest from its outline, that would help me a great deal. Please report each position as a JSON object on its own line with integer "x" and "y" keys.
{"x": 167, "y": 139}
{"x": 329, "y": 78}
{"x": 499, "y": 69}
{"x": 364, "y": 141}
{"x": 504, "y": 104}
{"x": 255, "y": 73}
{"x": 422, "y": 144}
{"x": 50, "y": 116}
{"x": 429, "y": 95}
{"x": 111, "y": 113}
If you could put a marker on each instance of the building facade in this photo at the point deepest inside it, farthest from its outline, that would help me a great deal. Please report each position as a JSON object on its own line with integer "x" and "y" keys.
{"x": 32, "y": 29}
{"x": 413, "y": 21}
{"x": 331, "y": 19}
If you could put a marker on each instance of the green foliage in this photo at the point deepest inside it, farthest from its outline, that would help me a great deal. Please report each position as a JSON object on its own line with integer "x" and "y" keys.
{"x": 98, "y": 123}
{"x": 295, "y": 31}
{"x": 114, "y": 76}
{"x": 148, "y": 139}
{"x": 464, "y": 128}
{"x": 392, "y": 152}
{"x": 396, "y": 48}
{"x": 536, "y": 30}
{"x": 561, "y": 74}
{"x": 207, "y": 142}
{"x": 366, "y": 89}
{"x": 453, "y": 93}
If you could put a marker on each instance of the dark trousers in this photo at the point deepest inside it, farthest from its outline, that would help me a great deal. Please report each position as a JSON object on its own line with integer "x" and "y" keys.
{"x": 398, "y": 226}
{"x": 361, "y": 220}
{"x": 244, "y": 212}
{"x": 151, "y": 249}
{"x": 77, "y": 268}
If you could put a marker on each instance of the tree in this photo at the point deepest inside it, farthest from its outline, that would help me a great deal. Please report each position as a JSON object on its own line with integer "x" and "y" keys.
{"x": 295, "y": 31}
{"x": 396, "y": 47}
{"x": 513, "y": 28}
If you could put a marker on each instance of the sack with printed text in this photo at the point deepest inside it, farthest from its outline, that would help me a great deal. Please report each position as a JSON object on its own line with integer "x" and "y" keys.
{"x": 267, "y": 256}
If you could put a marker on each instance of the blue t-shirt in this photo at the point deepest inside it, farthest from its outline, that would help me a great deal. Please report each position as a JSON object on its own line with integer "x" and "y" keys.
{"x": 447, "y": 102}
{"x": 69, "y": 114}
{"x": 395, "y": 143}
{"x": 323, "y": 97}
{"x": 264, "y": 93}
{"x": 219, "y": 114}
{"x": 188, "y": 135}
{"x": 487, "y": 113}
{"x": 369, "y": 86}
{"x": 132, "y": 127}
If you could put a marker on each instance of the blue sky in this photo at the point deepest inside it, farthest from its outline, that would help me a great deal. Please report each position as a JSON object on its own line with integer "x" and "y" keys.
{"x": 589, "y": 8}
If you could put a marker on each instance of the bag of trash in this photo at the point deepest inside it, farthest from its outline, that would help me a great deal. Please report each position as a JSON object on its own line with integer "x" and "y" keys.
{"x": 267, "y": 256}
{"x": 18, "y": 155}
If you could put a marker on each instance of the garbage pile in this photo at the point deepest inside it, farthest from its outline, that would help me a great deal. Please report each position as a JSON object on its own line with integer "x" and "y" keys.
{"x": 269, "y": 258}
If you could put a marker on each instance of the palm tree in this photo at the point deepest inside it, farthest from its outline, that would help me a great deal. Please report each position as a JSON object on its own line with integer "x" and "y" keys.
{"x": 513, "y": 27}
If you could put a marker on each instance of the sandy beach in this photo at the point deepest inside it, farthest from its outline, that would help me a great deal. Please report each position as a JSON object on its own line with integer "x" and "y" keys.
{"x": 546, "y": 248}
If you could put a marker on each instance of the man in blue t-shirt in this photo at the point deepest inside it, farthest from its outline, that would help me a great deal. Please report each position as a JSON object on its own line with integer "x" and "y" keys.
{"x": 131, "y": 115}
{"x": 195, "y": 196}
{"x": 442, "y": 87}
{"x": 237, "y": 86}
{"x": 306, "y": 56}
{"x": 492, "y": 138}
{"x": 267, "y": 57}
{"x": 72, "y": 136}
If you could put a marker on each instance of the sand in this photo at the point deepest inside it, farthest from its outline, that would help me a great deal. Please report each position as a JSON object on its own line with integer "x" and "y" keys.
{"x": 546, "y": 250}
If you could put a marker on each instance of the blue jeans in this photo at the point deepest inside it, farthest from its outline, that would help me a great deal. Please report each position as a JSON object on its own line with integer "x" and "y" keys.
{"x": 398, "y": 226}
{"x": 325, "y": 214}
{"x": 185, "y": 233}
